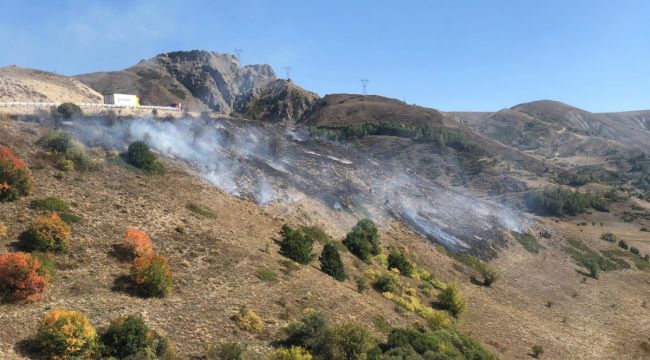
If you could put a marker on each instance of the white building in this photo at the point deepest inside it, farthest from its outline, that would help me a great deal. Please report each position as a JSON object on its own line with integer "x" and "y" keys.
{"x": 122, "y": 100}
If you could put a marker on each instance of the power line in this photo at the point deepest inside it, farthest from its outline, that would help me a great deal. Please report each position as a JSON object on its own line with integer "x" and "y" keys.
{"x": 287, "y": 70}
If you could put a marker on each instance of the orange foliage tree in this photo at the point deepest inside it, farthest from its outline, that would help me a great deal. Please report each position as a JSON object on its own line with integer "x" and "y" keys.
{"x": 15, "y": 178}
{"x": 151, "y": 275}
{"x": 21, "y": 277}
{"x": 47, "y": 233}
{"x": 136, "y": 243}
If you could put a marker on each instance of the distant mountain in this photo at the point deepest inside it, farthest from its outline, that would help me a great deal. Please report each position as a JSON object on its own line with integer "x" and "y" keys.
{"x": 551, "y": 128}
{"x": 199, "y": 79}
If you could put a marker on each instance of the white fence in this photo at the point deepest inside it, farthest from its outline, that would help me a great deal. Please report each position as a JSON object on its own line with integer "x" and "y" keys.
{"x": 83, "y": 105}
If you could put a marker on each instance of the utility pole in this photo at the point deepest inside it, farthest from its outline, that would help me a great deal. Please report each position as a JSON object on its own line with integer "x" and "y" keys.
{"x": 238, "y": 52}
{"x": 288, "y": 69}
{"x": 364, "y": 86}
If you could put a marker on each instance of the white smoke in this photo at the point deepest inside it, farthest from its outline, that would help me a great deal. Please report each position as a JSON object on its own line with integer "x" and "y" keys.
{"x": 262, "y": 162}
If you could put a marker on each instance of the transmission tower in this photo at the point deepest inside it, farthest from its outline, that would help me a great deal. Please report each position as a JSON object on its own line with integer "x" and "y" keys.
{"x": 238, "y": 52}
{"x": 288, "y": 69}
{"x": 364, "y": 86}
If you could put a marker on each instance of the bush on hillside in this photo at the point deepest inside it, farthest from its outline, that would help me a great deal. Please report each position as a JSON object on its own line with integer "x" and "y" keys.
{"x": 15, "y": 178}
{"x": 451, "y": 300}
{"x": 363, "y": 240}
{"x": 64, "y": 334}
{"x": 151, "y": 276}
{"x": 593, "y": 267}
{"x": 225, "y": 351}
{"x": 70, "y": 152}
{"x": 136, "y": 243}
{"x": 21, "y": 277}
{"x": 623, "y": 245}
{"x": 248, "y": 320}
{"x": 296, "y": 245}
{"x": 51, "y": 204}
{"x": 47, "y": 233}
{"x": 68, "y": 110}
{"x": 310, "y": 332}
{"x": 331, "y": 264}
{"x": 140, "y": 156}
{"x": 609, "y": 237}
{"x": 348, "y": 341}
{"x": 292, "y": 353}
{"x": 397, "y": 260}
{"x": 130, "y": 336}
{"x": 385, "y": 283}
{"x": 558, "y": 201}
{"x": 440, "y": 343}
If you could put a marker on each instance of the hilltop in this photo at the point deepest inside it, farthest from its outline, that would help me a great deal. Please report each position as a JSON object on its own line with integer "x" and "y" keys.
{"x": 31, "y": 85}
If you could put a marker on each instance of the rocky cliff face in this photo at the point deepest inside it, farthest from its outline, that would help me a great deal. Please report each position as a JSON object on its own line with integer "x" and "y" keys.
{"x": 279, "y": 101}
{"x": 216, "y": 79}
{"x": 199, "y": 79}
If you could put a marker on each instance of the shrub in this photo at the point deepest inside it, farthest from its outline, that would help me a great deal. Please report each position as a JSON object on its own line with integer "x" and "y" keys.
{"x": 136, "y": 243}
{"x": 609, "y": 237}
{"x": 130, "y": 335}
{"x": 451, "y": 300}
{"x": 47, "y": 233}
{"x": 536, "y": 351}
{"x": 52, "y": 204}
{"x": 348, "y": 341}
{"x": 139, "y": 156}
{"x": 362, "y": 284}
{"x": 15, "y": 178}
{"x": 363, "y": 240}
{"x": 397, "y": 260}
{"x": 556, "y": 200}
{"x": 68, "y": 110}
{"x": 635, "y": 251}
{"x": 225, "y": 351}
{"x": 3, "y": 230}
{"x": 331, "y": 264}
{"x": 292, "y": 353}
{"x": 70, "y": 152}
{"x": 197, "y": 209}
{"x": 622, "y": 244}
{"x": 21, "y": 278}
{"x": 248, "y": 320}
{"x": 151, "y": 275}
{"x": 440, "y": 343}
{"x": 64, "y": 334}
{"x": 310, "y": 332}
{"x": 593, "y": 267}
{"x": 385, "y": 283}
{"x": 267, "y": 275}
{"x": 296, "y": 245}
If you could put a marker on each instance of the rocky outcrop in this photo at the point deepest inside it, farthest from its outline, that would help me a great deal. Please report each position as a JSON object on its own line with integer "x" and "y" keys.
{"x": 216, "y": 79}
{"x": 199, "y": 79}
{"x": 279, "y": 101}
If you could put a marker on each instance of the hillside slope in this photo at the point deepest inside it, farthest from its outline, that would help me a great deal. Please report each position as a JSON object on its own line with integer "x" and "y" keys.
{"x": 542, "y": 298}
{"x": 30, "y": 85}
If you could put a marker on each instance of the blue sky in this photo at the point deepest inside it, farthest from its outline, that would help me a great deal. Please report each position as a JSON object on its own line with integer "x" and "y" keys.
{"x": 451, "y": 55}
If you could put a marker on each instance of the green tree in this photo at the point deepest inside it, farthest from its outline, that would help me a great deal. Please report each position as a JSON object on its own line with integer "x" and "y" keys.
{"x": 331, "y": 264}
{"x": 363, "y": 240}
{"x": 140, "y": 156}
{"x": 452, "y": 300}
{"x": 68, "y": 110}
{"x": 397, "y": 260}
{"x": 296, "y": 245}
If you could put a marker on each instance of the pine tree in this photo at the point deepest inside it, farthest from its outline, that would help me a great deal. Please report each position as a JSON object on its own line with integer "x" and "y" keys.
{"x": 331, "y": 264}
